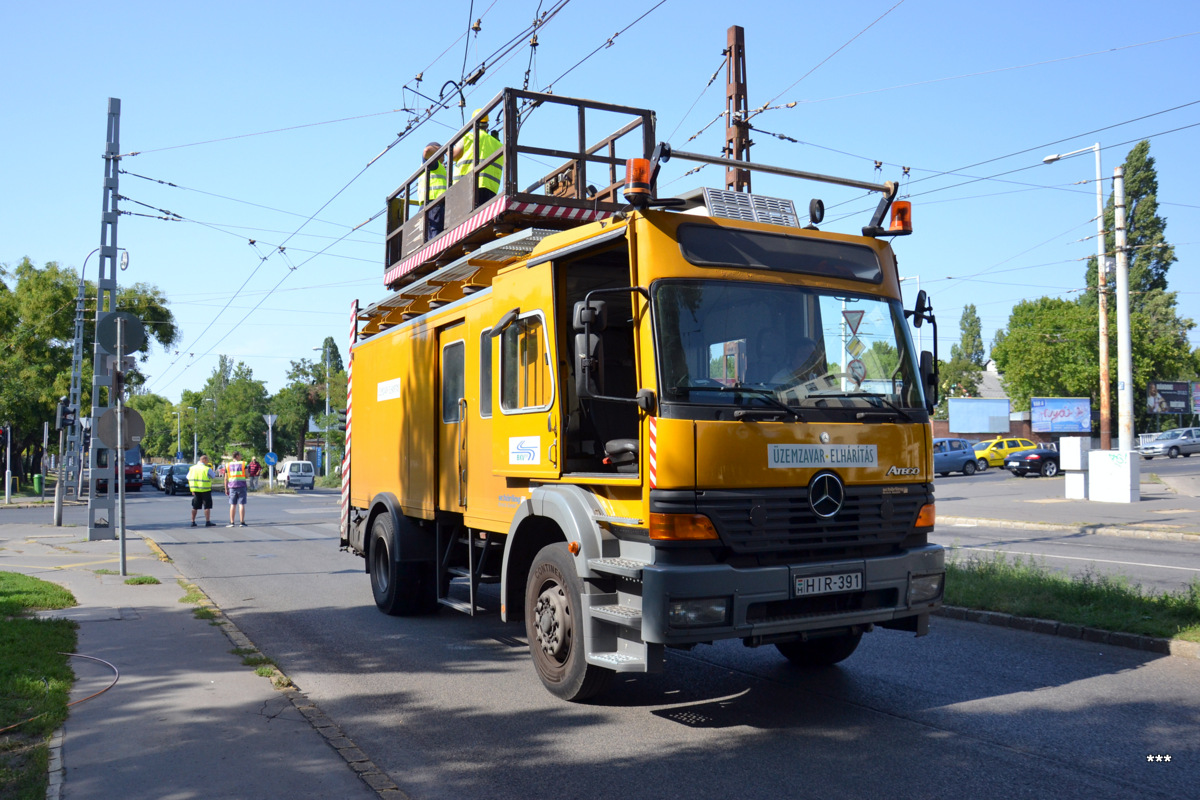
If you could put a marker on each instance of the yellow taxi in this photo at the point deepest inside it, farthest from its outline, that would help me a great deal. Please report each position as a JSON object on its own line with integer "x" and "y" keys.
{"x": 994, "y": 452}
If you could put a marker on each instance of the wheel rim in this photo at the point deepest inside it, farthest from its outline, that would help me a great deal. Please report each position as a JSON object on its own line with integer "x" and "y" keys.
{"x": 552, "y": 624}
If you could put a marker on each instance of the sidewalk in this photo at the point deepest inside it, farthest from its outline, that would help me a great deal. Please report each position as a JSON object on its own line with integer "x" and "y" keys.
{"x": 1168, "y": 510}
{"x": 186, "y": 717}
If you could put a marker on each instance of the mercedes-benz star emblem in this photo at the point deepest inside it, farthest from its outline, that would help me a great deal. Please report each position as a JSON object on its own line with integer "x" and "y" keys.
{"x": 826, "y": 494}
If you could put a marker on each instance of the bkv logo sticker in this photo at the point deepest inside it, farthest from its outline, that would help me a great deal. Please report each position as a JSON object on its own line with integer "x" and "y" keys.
{"x": 525, "y": 450}
{"x": 904, "y": 471}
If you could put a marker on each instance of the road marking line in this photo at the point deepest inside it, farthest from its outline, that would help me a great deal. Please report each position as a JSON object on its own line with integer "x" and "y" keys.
{"x": 1076, "y": 558}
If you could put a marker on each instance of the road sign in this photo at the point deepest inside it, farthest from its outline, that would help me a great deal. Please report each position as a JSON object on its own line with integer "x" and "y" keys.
{"x": 858, "y": 371}
{"x": 133, "y": 429}
{"x": 178, "y": 455}
{"x": 271, "y": 459}
{"x": 270, "y": 419}
{"x": 135, "y": 332}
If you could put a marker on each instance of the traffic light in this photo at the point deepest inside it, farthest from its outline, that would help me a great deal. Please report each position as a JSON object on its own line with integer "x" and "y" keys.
{"x": 64, "y": 416}
{"x": 341, "y": 420}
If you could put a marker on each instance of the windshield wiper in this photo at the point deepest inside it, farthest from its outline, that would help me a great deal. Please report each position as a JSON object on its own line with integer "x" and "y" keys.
{"x": 875, "y": 396}
{"x": 765, "y": 394}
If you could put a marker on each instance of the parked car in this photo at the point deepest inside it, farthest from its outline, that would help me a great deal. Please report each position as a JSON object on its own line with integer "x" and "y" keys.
{"x": 298, "y": 474}
{"x": 175, "y": 480}
{"x": 147, "y": 473}
{"x": 953, "y": 455}
{"x": 993, "y": 453}
{"x": 156, "y": 477}
{"x": 1172, "y": 444}
{"x": 1040, "y": 461}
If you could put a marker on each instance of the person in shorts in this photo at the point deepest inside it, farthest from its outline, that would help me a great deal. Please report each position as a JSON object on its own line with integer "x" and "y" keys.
{"x": 200, "y": 482}
{"x": 235, "y": 487}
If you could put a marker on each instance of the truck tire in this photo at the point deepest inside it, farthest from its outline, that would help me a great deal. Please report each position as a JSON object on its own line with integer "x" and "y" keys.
{"x": 554, "y": 626}
{"x": 401, "y": 589}
{"x": 820, "y": 652}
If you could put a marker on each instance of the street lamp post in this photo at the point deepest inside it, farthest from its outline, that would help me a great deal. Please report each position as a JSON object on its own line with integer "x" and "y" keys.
{"x": 1101, "y": 284}
{"x": 178, "y": 435}
{"x": 195, "y": 440}
{"x": 325, "y": 427}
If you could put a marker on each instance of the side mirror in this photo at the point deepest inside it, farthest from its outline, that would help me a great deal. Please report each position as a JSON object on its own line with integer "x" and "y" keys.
{"x": 929, "y": 380}
{"x": 920, "y": 311}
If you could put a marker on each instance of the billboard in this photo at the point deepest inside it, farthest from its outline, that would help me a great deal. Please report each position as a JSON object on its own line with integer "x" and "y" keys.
{"x": 1060, "y": 414}
{"x": 1169, "y": 397}
{"x": 971, "y": 415}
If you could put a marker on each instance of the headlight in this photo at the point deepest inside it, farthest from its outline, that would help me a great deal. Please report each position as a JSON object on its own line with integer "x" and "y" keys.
{"x": 923, "y": 588}
{"x": 697, "y": 613}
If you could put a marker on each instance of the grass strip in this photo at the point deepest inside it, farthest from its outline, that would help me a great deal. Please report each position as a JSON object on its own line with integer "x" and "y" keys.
{"x": 35, "y": 681}
{"x": 1025, "y": 588}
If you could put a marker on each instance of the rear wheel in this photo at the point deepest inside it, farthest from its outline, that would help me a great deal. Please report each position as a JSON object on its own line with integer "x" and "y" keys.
{"x": 969, "y": 468}
{"x": 554, "y": 626}
{"x": 820, "y": 652}
{"x": 1049, "y": 469}
{"x": 401, "y": 589}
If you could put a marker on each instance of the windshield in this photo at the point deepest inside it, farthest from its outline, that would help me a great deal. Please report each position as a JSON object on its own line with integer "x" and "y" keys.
{"x": 729, "y": 342}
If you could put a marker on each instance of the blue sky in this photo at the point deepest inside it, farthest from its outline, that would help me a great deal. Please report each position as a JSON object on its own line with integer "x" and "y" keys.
{"x": 933, "y": 85}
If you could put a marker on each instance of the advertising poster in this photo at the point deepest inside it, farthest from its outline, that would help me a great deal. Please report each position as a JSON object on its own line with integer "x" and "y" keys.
{"x": 975, "y": 415}
{"x": 1169, "y": 397}
{"x": 1196, "y": 398}
{"x": 1060, "y": 414}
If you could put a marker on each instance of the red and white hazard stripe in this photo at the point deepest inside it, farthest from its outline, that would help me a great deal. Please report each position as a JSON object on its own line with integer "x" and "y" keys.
{"x": 653, "y": 452}
{"x": 345, "y": 523}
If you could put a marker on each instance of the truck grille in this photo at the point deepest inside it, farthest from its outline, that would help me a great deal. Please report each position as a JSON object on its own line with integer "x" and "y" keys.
{"x": 873, "y": 520}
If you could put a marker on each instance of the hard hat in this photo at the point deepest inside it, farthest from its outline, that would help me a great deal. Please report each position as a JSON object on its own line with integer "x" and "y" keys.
{"x": 482, "y": 120}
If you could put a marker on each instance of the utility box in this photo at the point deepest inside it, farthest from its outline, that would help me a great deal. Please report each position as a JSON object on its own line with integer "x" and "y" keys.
{"x": 1115, "y": 476}
{"x": 1073, "y": 459}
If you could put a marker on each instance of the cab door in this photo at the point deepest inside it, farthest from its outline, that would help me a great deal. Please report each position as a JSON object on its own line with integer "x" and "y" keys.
{"x": 526, "y": 423}
{"x": 452, "y": 419}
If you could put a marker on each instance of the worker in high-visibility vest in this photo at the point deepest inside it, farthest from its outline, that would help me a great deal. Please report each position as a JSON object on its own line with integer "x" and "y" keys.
{"x": 435, "y": 214}
{"x": 199, "y": 480}
{"x": 464, "y": 157}
{"x": 235, "y": 487}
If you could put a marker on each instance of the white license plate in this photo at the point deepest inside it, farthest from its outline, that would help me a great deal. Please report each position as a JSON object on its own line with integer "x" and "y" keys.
{"x": 828, "y": 584}
{"x": 1012, "y": 464}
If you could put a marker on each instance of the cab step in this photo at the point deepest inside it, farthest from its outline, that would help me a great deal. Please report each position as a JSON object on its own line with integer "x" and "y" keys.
{"x": 624, "y": 567}
{"x": 627, "y": 616}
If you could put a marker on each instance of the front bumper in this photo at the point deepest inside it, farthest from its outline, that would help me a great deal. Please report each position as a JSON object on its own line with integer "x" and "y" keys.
{"x": 763, "y": 605}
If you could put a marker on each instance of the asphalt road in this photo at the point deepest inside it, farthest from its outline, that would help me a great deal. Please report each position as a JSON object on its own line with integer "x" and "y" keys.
{"x": 449, "y": 705}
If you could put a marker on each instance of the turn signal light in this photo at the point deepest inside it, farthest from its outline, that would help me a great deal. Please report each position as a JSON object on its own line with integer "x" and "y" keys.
{"x": 681, "y": 527}
{"x": 926, "y": 517}
{"x": 901, "y": 217}
{"x": 637, "y": 180}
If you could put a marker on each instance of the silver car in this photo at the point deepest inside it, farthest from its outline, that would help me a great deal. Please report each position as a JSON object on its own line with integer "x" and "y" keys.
{"x": 1172, "y": 443}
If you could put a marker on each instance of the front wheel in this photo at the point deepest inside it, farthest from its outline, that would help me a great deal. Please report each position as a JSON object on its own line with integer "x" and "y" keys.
{"x": 969, "y": 468}
{"x": 554, "y": 626}
{"x": 820, "y": 652}
{"x": 1173, "y": 452}
{"x": 1049, "y": 469}
{"x": 982, "y": 464}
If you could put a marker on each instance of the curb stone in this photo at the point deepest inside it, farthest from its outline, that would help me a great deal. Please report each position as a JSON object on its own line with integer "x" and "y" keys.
{"x": 1132, "y": 641}
{"x": 355, "y": 759}
{"x": 1123, "y": 531}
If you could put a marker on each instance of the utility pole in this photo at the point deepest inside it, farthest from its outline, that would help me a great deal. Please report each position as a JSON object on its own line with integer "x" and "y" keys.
{"x": 102, "y": 509}
{"x": 1124, "y": 340}
{"x": 737, "y": 106}
{"x": 74, "y": 438}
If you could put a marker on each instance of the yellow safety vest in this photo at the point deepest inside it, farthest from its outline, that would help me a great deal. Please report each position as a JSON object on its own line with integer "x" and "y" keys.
{"x": 236, "y": 470}
{"x": 489, "y": 178}
{"x": 437, "y": 183}
{"x": 198, "y": 478}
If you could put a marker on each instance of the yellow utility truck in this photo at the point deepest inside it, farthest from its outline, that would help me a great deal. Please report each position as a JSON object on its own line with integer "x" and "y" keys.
{"x": 650, "y": 422}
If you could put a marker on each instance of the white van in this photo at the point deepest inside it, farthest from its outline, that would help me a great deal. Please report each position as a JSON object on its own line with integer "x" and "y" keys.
{"x": 297, "y": 474}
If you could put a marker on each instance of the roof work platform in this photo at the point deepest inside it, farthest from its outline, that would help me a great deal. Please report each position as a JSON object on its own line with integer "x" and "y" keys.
{"x": 567, "y": 187}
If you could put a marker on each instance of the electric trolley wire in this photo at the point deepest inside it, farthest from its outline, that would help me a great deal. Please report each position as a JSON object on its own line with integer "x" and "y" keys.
{"x": 549, "y": 88}
{"x": 699, "y": 97}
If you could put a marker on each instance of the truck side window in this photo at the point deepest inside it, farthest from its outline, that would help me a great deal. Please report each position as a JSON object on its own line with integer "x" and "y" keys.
{"x": 485, "y": 374}
{"x": 525, "y": 383}
{"x": 453, "y": 380}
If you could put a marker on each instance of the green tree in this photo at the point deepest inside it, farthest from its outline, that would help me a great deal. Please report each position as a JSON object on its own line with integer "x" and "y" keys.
{"x": 37, "y": 330}
{"x": 970, "y": 343}
{"x": 1150, "y": 256}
